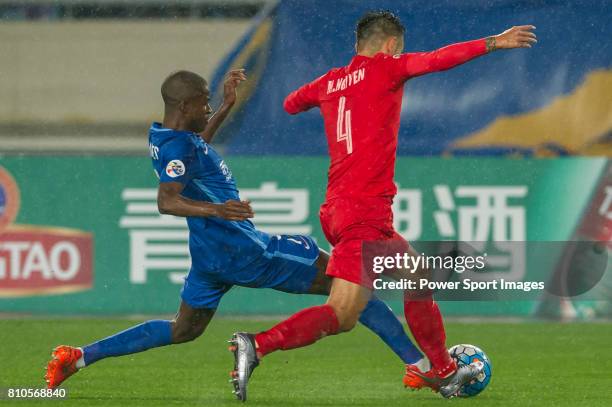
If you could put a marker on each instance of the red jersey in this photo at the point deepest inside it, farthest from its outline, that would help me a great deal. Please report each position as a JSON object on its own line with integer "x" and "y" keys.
{"x": 360, "y": 104}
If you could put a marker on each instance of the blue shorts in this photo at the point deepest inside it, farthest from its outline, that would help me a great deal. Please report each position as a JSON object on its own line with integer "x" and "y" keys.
{"x": 287, "y": 264}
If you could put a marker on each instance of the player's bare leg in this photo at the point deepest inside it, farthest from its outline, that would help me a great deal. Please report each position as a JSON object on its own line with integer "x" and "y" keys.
{"x": 244, "y": 348}
{"x": 188, "y": 324}
{"x": 376, "y": 316}
{"x": 322, "y": 282}
{"x": 347, "y": 299}
{"x": 312, "y": 324}
{"x": 339, "y": 314}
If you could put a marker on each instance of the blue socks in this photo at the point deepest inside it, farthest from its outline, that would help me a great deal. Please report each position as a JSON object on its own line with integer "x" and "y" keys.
{"x": 379, "y": 318}
{"x": 150, "y": 334}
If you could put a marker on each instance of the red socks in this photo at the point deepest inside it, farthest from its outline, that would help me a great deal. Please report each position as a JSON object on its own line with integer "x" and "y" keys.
{"x": 427, "y": 327}
{"x": 301, "y": 329}
{"x": 312, "y": 324}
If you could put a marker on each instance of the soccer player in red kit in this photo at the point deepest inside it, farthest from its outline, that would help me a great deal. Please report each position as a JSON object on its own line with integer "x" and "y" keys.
{"x": 360, "y": 104}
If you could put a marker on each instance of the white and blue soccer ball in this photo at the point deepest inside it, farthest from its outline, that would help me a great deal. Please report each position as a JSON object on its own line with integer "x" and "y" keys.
{"x": 466, "y": 354}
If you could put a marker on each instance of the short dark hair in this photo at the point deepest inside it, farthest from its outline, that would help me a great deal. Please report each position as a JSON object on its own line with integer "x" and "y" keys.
{"x": 378, "y": 25}
{"x": 180, "y": 86}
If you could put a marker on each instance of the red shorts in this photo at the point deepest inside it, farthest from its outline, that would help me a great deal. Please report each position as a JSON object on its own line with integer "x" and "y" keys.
{"x": 348, "y": 223}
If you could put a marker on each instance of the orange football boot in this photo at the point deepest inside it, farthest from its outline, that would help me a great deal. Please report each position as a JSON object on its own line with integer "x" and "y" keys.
{"x": 62, "y": 366}
{"x": 415, "y": 379}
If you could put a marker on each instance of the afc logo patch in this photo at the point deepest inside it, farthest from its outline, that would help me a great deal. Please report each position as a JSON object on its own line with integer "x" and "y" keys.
{"x": 175, "y": 168}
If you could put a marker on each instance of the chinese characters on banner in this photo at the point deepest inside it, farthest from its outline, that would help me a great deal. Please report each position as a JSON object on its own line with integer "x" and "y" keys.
{"x": 487, "y": 215}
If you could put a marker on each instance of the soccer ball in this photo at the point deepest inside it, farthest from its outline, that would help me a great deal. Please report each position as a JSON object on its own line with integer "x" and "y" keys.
{"x": 466, "y": 354}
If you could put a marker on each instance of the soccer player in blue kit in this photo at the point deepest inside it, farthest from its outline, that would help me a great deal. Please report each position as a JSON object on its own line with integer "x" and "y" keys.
{"x": 226, "y": 248}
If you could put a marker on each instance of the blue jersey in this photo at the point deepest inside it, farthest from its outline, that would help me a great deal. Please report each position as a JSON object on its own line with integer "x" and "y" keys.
{"x": 216, "y": 245}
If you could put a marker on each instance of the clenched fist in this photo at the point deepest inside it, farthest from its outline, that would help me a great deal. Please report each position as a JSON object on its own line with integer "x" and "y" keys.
{"x": 234, "y": 210}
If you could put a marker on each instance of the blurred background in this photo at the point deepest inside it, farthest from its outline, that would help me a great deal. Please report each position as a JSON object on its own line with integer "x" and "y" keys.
{"x": 514, "y": 146}
{"x": 83, "y": 76}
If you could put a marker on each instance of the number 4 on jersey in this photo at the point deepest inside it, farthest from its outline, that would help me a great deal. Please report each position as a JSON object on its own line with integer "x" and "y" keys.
{"x": 343, "y": 128}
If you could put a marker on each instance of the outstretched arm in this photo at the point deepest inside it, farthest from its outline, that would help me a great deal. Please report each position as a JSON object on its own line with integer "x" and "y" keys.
{"x": 171, "y": 202}
{"x": 232, "y": 81}
{"x": 420, "y": 63}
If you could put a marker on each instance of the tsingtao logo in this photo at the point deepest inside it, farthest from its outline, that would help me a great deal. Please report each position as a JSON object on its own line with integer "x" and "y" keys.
{"x": 39, "y": 260}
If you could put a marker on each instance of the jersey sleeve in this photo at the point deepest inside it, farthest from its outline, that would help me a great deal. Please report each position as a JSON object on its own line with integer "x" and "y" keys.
{"x": 410, "y": 65}
{"x": 178, "y": 162}
{"x": 303, "y": 98}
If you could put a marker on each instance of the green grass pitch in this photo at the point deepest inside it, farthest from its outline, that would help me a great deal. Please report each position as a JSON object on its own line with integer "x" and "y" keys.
{"x": 539, "y": 364}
